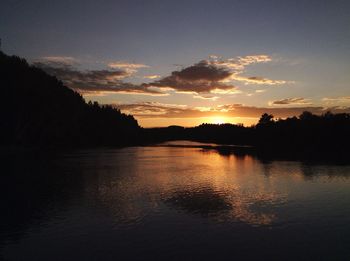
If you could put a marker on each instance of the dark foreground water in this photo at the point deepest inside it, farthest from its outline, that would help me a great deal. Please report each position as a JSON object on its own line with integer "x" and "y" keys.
{"x": 170, "y": 203}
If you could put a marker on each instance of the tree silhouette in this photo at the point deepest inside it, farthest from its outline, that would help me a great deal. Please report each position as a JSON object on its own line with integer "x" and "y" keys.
{"x": 307, "y": 116}
{"x": 38, "y": 110}
{"x": 265, "y": 119}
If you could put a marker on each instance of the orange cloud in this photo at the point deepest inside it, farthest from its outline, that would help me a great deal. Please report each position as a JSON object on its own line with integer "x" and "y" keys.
{"x": 291, "y": 101}
{"x": 227, "y": 110}
{"x": 155, "y": 76}
{"x": 343, "y": 99}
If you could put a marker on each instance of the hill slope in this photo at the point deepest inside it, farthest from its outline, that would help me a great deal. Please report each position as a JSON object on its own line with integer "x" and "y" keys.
{"x": 38, "y": 110}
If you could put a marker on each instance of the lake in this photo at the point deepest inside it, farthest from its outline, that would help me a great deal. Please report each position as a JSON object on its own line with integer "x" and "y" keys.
{"x": 171, "y": 203}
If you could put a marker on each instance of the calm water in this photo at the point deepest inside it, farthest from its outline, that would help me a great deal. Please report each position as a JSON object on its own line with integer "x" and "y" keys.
{"x": 171, "y": 203}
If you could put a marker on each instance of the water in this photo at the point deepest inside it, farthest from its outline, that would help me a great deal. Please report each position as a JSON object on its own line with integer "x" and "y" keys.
{"x": 172, "y": 203}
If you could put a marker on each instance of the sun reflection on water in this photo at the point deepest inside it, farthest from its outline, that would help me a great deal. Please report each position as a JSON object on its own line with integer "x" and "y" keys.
{"x": 193, "y": 182}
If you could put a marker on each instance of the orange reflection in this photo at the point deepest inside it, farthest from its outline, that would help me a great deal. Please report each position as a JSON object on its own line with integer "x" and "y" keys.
{"x": 219, "y": 187}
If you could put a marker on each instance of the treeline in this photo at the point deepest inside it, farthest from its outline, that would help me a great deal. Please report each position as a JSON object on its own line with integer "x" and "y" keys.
{"x": 305, "y": 136}
{"x": 308, "y": 133}
{"x": 36, "y": 109}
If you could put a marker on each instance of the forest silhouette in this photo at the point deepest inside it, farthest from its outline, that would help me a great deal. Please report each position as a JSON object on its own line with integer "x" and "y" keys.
{"x": 37, "y": 110}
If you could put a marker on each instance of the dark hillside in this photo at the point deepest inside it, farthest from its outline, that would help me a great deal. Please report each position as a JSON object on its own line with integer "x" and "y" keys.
{"x": 38, "y": 110}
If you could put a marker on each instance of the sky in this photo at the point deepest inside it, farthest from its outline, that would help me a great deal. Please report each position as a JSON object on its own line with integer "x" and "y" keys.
{"x": 190, "y": 62}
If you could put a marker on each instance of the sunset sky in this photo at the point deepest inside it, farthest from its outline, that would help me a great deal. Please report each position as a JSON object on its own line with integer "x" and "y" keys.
{"x": 189, "y": 62}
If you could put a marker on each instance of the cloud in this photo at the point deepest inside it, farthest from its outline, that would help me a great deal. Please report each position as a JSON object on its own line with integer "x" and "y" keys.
{"x": 206, "y": 97}
{"x": 291, "y": 101}
{"x": 256, "y": 80}
{"x": 227, "y": 91}
{"x": 93, "y": 81}
{"x": 202, "y": 71}
{"x": 150, "y": 109}
{"x": 240, "y": 62}
{"x": 58, "y": 61}
{"x": 129, "y": 67}
{"x": 201, "y": 77}
{"x": 240, "y": 110}
{"x": 250, "y": 59}
{"x": 159, "y": 110}
{"x": 122, "y": 65}
{"x": 337, "y": 99}
{"x": 215, "y": 75}
{"x": 155, "y": 76}
{"x": 237, "y": 66}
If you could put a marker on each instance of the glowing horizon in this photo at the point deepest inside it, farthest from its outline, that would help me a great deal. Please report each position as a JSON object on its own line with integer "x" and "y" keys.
{"x": 192, "y": 122}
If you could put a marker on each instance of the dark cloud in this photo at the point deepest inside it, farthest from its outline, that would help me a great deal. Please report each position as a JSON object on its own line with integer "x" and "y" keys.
{"x": 58, "y": 61}
{"x": 94, "y": 81}
{"x": 212, "y": 76}
{"x": 202, "y": 71}
{"x": 215, "y": 74}
{"x": 202, "y": 77}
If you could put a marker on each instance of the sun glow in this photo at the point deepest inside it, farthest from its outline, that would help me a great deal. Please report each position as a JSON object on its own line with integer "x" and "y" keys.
{"x": 151, "y": 122}
{"x": 219, "y": 120}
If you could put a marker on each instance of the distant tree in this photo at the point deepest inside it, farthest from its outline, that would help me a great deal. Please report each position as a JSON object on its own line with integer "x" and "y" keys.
{"x": 306, "y": 116}
{"x": 328, "y": 115}
{"x": 265, "y": 119}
